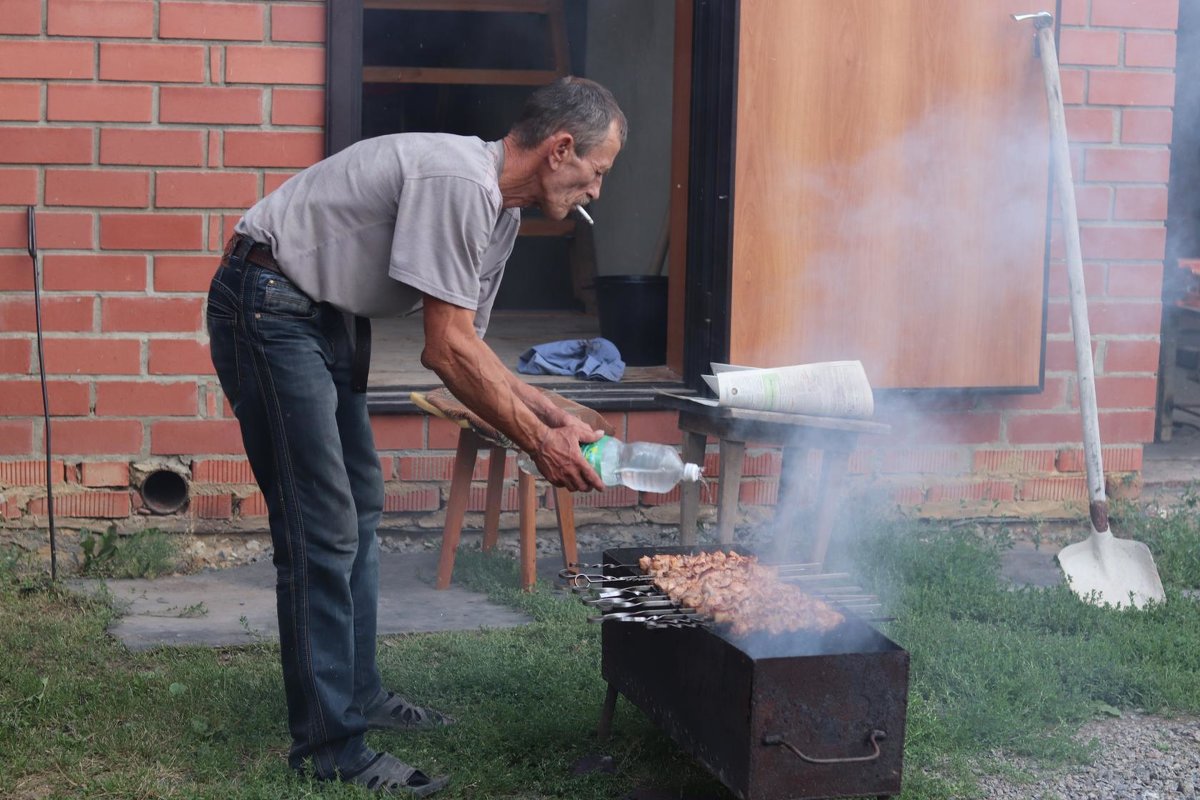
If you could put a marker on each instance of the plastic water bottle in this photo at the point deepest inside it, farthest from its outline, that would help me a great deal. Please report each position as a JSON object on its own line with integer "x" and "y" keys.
{"x": 642, "y": 466}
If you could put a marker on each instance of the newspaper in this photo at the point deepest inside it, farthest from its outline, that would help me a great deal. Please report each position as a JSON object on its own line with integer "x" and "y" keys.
{"x": 827, "y": 389}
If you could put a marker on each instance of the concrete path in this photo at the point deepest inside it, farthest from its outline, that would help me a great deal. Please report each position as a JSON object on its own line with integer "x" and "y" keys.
{"x": 237, "y": 605}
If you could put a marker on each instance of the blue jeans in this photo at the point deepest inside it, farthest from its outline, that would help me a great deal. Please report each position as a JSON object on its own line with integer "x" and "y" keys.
{"x": 284, "y": 362}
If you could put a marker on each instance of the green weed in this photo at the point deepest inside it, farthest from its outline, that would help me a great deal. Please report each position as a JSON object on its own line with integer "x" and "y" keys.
{"x": 144, "y": 554}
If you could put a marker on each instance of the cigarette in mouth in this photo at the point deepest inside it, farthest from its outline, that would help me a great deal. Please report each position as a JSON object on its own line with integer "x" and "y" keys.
{"x": 586, "y": 217}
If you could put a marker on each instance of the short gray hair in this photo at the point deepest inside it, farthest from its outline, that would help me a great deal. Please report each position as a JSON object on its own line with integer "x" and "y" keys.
{"x": 581, "y": 107}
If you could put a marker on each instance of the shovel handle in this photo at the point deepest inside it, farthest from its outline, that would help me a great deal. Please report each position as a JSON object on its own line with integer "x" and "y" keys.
{"x": 1065, "y": 189}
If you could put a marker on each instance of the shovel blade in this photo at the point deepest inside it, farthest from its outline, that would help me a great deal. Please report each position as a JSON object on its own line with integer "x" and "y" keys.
{"x": 1104, "y": 570}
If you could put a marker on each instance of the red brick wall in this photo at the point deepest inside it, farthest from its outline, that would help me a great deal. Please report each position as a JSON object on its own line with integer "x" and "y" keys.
{"x": 141, "y": 128}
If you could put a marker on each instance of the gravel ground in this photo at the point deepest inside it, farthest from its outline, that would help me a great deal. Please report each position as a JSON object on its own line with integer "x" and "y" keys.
{"x": 1138, "y": 757}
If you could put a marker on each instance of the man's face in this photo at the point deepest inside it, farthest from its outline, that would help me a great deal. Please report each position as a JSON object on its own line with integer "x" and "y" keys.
{"x": 573, "y": 180}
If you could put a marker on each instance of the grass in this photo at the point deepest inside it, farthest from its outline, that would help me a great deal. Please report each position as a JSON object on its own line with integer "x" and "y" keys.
{"x": 994, "y": 671}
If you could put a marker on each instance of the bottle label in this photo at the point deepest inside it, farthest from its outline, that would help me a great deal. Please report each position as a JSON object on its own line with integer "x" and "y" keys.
{"x": 593, "y": 451}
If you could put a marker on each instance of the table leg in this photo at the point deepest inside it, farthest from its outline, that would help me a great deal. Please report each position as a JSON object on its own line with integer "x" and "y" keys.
{"x": 606, "y": 713}
{"x": 527, "y": 501}
{"x": 1167, "y": 371}
{"x": 787, "y": 505}
{"x": 456, "y": 504}
{"x": 564, "y": 506}
{"x": 829, "y": 499}
{"x": 689, "y": 493}
{"x": 495, "y": 496}
{"x": 732, "y": 454}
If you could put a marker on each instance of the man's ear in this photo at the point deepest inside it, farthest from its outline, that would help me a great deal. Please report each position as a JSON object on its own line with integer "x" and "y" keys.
{"x": 562, "y": 144}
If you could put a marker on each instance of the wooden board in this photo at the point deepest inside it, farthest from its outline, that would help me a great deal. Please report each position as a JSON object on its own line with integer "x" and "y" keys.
{"x": 890, "y": 190}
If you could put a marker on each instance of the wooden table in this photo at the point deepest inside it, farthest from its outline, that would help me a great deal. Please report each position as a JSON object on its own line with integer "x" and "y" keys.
{"x": 836, "y": 438}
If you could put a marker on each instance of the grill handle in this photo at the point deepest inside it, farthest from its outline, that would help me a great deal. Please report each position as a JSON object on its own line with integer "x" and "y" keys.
{"x": 875, "y": 737}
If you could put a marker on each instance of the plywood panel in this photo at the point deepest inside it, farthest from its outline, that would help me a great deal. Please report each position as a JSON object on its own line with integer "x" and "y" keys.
{"x": 890, "y": 190}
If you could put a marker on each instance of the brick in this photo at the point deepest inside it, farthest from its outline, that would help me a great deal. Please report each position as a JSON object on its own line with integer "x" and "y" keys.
{"x": 412, "y": 498}
{"x": 93, "y": 356}
{"x": 150, "y": 314}
{"x": 15, "y": 356}
{"x": 157, "y": 63}
{"x": 273, "y": 180}
{"x": 151, "y": 231}
{"x": 1116, "y": 164}
{"x": 1074, "y": 83}
{"x": 1054, "y": 489}
{"x": 184, "y": 273}
{"x": 20, "y": 102}
{"x": 205, "y": 189}
{"x": 612, "y": 497}
{"x": 16, "y": 437}
{"x": 477, "y": 498}
{"x": 1073, "y": 12}
{"x": 107, "y": 437}
{"x": 275, "y": 65}
{"x": 107, "y": 187}
{"x": 253, "y": 506}
{"x": 1136, "y": 14}
{"x": 1097, "y": 48}
{"x": 65, "y": 313}
{"x": 758, "y": 492}
{"x": 86, "y": 505}
{"x": 100, "y": 474}
{"x": 210, "y": 105}
{"x": 1091, "y": 124}
{"x": 399, "y": 431}
{"x": 1124, "y": 392}
{"x": 1059, "y": 287}
{"x": 1093, "y": 202}
{"x": 934, "y": 461}
{"x": 298, "y": 107}
{"x": 16, "y": 273}
{"x": 1135, "y": 280}
{"x": 653, "y": 426}
{"x": 434, "y": 468}
{"x": 166, "y": 148}
{"x": 30, "y": 473}
{"x": 24, "y": 398}
{"x": 1149, "y": 49}
{"x": 47, "y": 59}
{"x": 1131, "y": 356}
{"x": 71, "y": 102}
{"x": 54, "y": 230}
{"x": 291, "y": 23}
{"x": 145, "y": 398}
{"x": 211, "y": 506}
{"x": 223, "y": 471}
{"x": 1141, "y": 203}
{"x": 1013, "y": 462}
{"x": 18, "y": 187}
{"x": 1127, "y": 426}
{"x": 1043, "y": 428}
{"x": 211, "y": 21}
{"x": 272, "y": 149}
{"x": 198, "y": 436}
{"x": 1146, "y": 125}
{"x": 759, "y": 464}
{"x": 21, "y": 145}
{"x": 179, "y": 357}
{"x": 1134, "y": 243}
{"x": 994, "y": 490}
{"x": 950, "y": 428}
{"x": 21, "y": 17}
{"x": 1117, "y": 88}
{"x": 1116, "y": 459}
{"x": 91, "y": 272}
{"x": 130, "y": 19}
{"x": 1125, "y": 318}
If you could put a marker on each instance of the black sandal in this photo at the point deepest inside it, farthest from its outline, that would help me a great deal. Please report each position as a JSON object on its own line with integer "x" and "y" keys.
{"x": 387, "y": 774}
{"x": 397, "y": 714}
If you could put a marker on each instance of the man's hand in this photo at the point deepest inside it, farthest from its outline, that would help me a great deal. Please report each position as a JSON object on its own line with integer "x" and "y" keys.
{"x": 560, "y": 460}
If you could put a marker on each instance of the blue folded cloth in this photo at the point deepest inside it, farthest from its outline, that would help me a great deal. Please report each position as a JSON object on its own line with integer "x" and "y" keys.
{"x": 588, "y": 359}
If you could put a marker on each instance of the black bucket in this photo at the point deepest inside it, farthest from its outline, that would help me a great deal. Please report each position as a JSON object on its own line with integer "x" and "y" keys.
{"x": 633, "y": 316}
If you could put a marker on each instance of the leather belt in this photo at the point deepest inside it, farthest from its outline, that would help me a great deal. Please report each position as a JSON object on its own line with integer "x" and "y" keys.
{"x": 246, "y": 250}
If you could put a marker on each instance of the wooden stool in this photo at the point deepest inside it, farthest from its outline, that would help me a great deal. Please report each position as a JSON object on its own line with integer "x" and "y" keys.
{"x": 796, "y": 433}
{"x": 475, "y": 435}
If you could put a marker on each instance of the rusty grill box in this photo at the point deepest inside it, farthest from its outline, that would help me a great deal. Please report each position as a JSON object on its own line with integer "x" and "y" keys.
{"x": 773, "y": 717}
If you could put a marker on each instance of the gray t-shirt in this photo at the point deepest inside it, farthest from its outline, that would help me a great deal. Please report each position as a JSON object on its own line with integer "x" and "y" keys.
{"x": 373, "y": 228}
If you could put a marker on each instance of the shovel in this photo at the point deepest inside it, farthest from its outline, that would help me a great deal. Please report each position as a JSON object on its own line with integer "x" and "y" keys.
{"x": 1102, "y": 569}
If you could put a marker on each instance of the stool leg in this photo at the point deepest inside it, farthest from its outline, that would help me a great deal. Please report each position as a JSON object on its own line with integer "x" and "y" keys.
{"x": 527, "y": 497}
{"x": 732, "y": 454}
{"x": 495, "y": 492}
{"x": 564, "y": 505}
{"x": 689, "y": 493}
{"x": 456, "y": 505}
{"x": 833, "y": 473}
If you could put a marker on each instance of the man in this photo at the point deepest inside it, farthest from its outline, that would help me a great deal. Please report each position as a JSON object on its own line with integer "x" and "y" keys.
{"x": 385, "y": 226}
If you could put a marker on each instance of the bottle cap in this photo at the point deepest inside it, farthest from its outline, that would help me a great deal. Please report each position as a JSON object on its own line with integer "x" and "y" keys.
{"x": 691, "y": 472}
